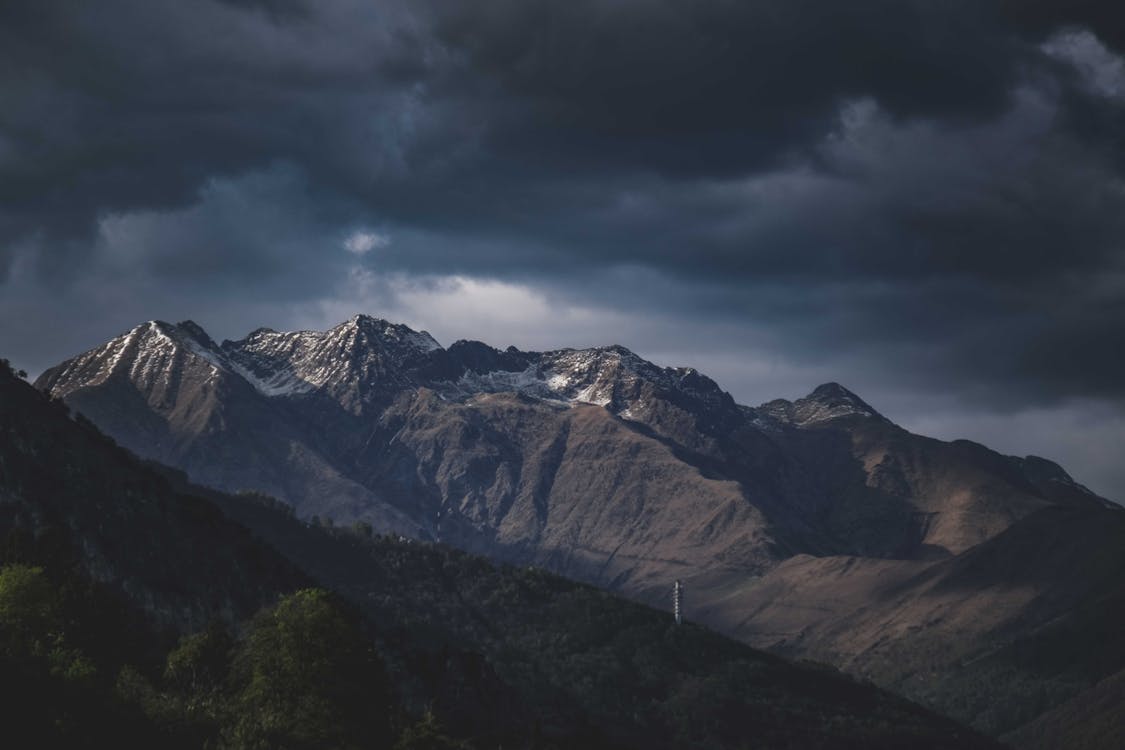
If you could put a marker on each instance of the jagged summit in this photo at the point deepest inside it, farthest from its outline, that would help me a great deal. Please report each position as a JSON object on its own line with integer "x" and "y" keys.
{"x": 146, "y": 355}
{"x": 611, "y": 376}
{"x": 356, "y": 362}
{"x": 386, "y": 332}
{"x": 827, "y": 402}
{"x": 193, "y": 329}
{"x": 832, "y": 390}
{"x": 367, "y": 359}
{"x": 839, "y": 401}
{"x": 478, "y": 358}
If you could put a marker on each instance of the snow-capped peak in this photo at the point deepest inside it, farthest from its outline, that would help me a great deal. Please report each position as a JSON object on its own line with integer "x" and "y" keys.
{"x": 351, "y": 362}
{"x": 146, "y": 355}
{"x": 366, "y": 360}
{"x": 609, "y": 376}
{"x": 390, "y": 333}
{"x": 826, "y": 402}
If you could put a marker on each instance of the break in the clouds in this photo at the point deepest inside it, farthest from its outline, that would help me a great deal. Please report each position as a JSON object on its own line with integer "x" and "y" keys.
{"x": 922, "y": 200}
{"x": 361, "y": 242}
{"x": 1102, "y": 71}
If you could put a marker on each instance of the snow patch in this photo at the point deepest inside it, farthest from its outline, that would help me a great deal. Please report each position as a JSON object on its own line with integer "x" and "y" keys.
{"x": 590, "y": 395}
{"x": 281, "y": 383}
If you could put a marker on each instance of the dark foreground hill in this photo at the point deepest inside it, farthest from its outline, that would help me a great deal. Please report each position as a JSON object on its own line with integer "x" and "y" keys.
{"x": 107, "y": 562}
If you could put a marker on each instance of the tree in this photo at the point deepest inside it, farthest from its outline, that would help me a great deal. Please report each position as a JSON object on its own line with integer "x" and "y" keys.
{"x": 29, "y": 611}
{"x": 307, "y": 676}
{"x": 201, "y": 661}
{"x": 31, "y": 623}
{"x": 428, "y": 734}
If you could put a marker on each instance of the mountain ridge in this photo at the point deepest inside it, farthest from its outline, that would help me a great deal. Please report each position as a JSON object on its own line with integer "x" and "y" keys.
{"x": 327, "y": 399}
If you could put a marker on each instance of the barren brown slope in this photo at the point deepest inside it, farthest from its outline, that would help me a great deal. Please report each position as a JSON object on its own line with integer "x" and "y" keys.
{"x": 571, "y": 488}
{"x": 890, "y": 493}
{"x": 992, "y": 637}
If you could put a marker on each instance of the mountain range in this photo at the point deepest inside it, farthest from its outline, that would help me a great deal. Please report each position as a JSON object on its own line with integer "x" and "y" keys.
{"x": 985, "y": 586}
{"x": 139, "y": 610}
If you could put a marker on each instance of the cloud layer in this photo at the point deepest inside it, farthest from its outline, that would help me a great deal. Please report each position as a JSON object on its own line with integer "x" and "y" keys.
{"x": 924, "y": 200}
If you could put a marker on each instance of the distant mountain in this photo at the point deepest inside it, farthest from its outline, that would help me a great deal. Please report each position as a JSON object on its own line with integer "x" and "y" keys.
{"x": 502, "y": 656}
{"x": 609, "y": 469}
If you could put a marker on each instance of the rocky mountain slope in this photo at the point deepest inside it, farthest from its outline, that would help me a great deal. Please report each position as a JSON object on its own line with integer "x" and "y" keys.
{"x": 802, "y": 526}
{"x": 503, "y": 656}
{"x": 1025, "y": 620}
{"x": 492, "y": 449}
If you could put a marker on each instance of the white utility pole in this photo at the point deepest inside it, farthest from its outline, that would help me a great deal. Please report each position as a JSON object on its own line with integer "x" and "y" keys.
{"x": 678, "y": 602}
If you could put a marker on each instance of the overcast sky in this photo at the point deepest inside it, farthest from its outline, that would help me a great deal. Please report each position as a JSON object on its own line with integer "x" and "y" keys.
{"x": 921, "y": 200}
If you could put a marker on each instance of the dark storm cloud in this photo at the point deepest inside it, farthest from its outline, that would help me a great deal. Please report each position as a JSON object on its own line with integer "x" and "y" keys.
{"x": 128, "y": 104}
{"x": 1042, "y": 17}
{"x": 720, "y": 87}
{"x": 937, "y": 185}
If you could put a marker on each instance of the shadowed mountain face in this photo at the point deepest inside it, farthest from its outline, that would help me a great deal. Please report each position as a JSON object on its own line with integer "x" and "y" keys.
{"x": 802, "y": 525}
{"x": 174, "y": 554}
